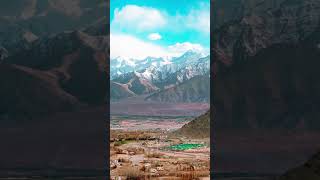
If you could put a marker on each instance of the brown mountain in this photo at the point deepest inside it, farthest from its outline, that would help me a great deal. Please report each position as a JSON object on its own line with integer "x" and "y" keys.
{"x": 75, "y": 58}
{"x": 26, "y": 92}
{"x": 136, "y": 83}
{"x": 76, "y": 64}
{"x": 119, "y": 91}
{"x": 197, "y": 128}
{"x": 197, "y": 89}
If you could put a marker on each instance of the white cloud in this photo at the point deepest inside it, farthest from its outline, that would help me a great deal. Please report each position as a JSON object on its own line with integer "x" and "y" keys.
{"x": 138, "y": 18}
{"x": 199, "y": 20}
{"x": 179, "y": 48}
{"x": 154, "y": 36}
{"x": 127, "y": 46}
{"x": 131, "y": 47}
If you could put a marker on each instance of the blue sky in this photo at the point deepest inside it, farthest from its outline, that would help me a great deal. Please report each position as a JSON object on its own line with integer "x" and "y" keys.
{"x": 159, "y": 27}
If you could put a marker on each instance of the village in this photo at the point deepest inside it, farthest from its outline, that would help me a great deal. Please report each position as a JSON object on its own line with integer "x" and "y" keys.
{"x": 157, "y": 155}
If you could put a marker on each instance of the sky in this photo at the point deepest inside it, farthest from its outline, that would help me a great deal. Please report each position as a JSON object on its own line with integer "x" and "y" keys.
{"x": 159, "y": 28}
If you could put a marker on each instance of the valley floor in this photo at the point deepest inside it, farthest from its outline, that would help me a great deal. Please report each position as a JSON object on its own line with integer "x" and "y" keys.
{"x": 144, "y": 154}
{"x": 138, "y": 106}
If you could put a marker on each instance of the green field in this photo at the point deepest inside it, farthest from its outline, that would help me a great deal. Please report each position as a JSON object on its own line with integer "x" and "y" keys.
{"x": 182, "y": 147}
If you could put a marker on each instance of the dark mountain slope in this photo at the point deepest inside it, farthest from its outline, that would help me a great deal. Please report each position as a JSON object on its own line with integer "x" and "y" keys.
{"x": 27, "y": 93}
{"x": 310, "y": 170}
{"x": 135, "y": 83}
{"x": 291, "y": 22}
{"x": 197, "y": 128}
{"x": 232, "y": 10}
{"x": 278, "y": 88}
{"x": 3, "y": 53}
{"x": 78, "y": 60}
{"x": 197, "y": 89}
{"x": 57, "y": 73}
{"x": 34, "y": 15}
{"x": 23, "y": 21}
{"x": 119, "y": 91}
{"x": 265, "y": 67}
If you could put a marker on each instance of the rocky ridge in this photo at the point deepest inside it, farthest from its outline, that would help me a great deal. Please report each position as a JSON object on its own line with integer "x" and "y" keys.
{"x": 264, "y": 68}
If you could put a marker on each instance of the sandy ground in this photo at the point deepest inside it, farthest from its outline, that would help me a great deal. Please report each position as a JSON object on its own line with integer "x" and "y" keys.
{"x": 137, "y": 106}
{"x": 147, "y": 122}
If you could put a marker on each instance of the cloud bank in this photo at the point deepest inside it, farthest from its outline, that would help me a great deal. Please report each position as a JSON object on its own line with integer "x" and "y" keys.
{"x": 154, "y": 36}
{"x": 127, "y": 46}
{"x": 131, "y": 47}
{"x": 135, "y": 31}
{"x": 138, "y": 18}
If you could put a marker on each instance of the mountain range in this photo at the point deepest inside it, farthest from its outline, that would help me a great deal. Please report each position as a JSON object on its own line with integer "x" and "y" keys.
{"x": 153, "y": 75}
{"x": 196, "y": 89}
{"x": 120, "y": 65}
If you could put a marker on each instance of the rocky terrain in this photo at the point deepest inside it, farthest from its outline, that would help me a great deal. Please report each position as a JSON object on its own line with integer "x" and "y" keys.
{"x": 291, "y": 23}
{"x": 233, "y": 10}
{"x": 68, "y": 15}
{"x": 196, "y": 89}
{"x": 23, "y": 21}
{"x": 136, "y": 83}
{"x": 57, "y": 63}
{"x": 264, "y": 60}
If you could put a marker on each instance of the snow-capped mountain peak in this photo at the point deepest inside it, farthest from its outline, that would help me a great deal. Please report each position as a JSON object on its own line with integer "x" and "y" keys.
{"x": 122, "y": 65}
